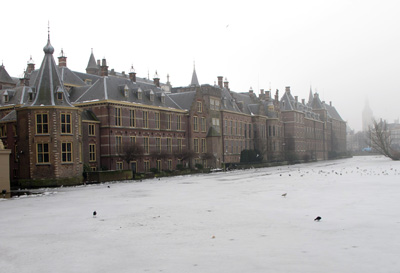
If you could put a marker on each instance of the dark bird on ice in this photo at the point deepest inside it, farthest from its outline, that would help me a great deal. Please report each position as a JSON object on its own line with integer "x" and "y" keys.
{"x": 94, "y": 213}
{"x": 284, "y": 195}
{"x": 318, "y": 218}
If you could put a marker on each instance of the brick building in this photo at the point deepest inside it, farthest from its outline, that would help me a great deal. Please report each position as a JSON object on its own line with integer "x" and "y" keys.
{"x": 59, "y": 122}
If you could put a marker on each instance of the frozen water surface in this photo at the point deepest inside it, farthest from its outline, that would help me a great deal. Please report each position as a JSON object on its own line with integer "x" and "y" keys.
{"x": 222, "y": 222}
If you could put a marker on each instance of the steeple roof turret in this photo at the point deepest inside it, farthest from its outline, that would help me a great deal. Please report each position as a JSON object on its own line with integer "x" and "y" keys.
{"x": 48, "y": 82}
{"x": 92, "y": 62}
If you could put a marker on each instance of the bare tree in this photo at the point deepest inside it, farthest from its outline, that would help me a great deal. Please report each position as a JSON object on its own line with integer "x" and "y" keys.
{"x": 133, "y": 152}
{"x": 379, "y": 138}
{"x": 185, "y": 155}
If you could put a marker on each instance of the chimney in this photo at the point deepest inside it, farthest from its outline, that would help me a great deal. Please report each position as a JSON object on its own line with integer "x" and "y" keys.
{"x": 267, "y": 94}
{"x": 330, "y": 103}
{"x": 277, "y": 95}
{"x": 303, "y": 101}
{"x": 98, "y": 63}
{"x": 132, "y": 74}
{"x": 31, "y": 66}
{"x": 262, "y": 95}
{"x": 220, "y": 81}
{"x": 62, "y": 59}
{"x": 226, "y": 84}
{"x": 22, "y": 81}
{"x": 251, "y": 90}
{"x": 296, "y": 98}
{"x": 103, "y": 68}
{"x": 156, "y": 79}
{"x": 287, "y": 89}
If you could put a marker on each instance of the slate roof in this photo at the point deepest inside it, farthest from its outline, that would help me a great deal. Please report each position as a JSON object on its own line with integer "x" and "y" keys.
{"x": 288, "y": 103}
{"x": 16, "y": 96}
{"x": 183, "y": 100}
{"x": 89, "y": 116}
{"x": 113, "y": 88}
{"x": 4, "y": 76}
{"x": 12, "y": 116}
{"x": 70, "y": 78}
{"x": 249, "y": 102}
{"x": 332, "y": 112}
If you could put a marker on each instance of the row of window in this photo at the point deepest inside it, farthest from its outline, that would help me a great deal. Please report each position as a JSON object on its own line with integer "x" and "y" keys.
{"x": 237, "y": 128}
{"x": 146, "y": 144}
{"x": 42, "y": 123}
{"x": 43, "y": 152}
{"x": 237, "y": 146}
{"x": 274, "y": 130}
{"x": 145, "y": 119}
{"x": 146, "y": 165}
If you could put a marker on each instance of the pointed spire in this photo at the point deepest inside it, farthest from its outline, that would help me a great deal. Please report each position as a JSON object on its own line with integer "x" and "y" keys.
{"x": 48, "y": 48}
{"x": 310, "y": 96}
{"x": 195, "y": 81}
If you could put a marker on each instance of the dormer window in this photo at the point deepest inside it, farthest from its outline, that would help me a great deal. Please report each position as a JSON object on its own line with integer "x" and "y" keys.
{"x": 30, "y": 96}
{"x": 59, "y": 93}
{"x": 151, "y": 96}
{"x": 140, "y": 94}
{"x": 6, "y": 98}
{"x": 126, "y": 90}
{"x": 162, "y": 98}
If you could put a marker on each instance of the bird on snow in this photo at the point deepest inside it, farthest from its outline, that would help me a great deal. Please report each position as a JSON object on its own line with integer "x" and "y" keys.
{"x": 284, "y": 195}
{"x": 318, "y": 218}
{"x": 94, "y": 214}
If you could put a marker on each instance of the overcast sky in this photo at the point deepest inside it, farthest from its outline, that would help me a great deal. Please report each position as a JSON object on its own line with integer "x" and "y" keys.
{"x": 347, "y": 51}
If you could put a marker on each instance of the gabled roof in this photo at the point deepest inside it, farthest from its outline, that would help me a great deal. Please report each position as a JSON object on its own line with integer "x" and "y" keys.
{"x": 332, "y": 112}
{"x": 4, "y": 76}
{"x": 287, "y": 102}
{"x": 316, "y": 103}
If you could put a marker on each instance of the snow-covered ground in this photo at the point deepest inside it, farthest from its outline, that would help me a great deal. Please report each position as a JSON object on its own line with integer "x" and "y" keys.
{"x": 223, "y": 222}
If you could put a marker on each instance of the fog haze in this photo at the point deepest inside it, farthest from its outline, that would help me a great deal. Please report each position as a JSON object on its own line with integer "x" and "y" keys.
{"x": 347, "y": 51}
